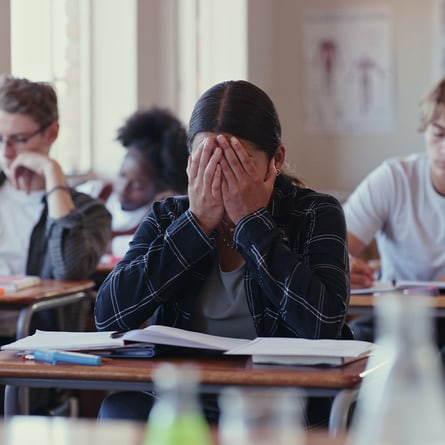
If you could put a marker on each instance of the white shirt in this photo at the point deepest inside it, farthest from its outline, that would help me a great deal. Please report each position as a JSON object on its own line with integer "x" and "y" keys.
{"x": 399, "y": 205}
{"x": 19, "y": 213}
{"x": 123, "y": 220}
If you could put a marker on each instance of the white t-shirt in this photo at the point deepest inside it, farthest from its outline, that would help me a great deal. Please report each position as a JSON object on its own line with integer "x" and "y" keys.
{"x": 19, "y": 213}
{"x": 123, "y": 220}
{"x": 398, "y": 204}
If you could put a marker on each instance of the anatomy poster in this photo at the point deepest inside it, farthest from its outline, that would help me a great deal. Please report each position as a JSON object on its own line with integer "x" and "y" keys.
{"x": 349, "y": 78}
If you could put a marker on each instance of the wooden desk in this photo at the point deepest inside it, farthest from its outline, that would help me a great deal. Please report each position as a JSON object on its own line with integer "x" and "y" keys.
{"x": 48, "y": 294}
{"x": 215, "y": 373}
{"x": 102, "y": 271}
{"x": 364, "y": 304}
{"x": 104, "y": 268}
{"x": 49, "y": 430}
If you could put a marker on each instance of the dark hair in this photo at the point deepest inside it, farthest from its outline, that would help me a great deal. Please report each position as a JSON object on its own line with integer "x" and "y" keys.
{"x": 162, "y": 139}
{"x": 242, "y": 109}
{"x": 37, "y": 99}
{"x": 238, "y": 108}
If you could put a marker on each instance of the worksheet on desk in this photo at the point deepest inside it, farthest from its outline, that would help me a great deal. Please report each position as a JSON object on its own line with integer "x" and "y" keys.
{"x": 82, "y": 341}
{"x": 388, "y": 286}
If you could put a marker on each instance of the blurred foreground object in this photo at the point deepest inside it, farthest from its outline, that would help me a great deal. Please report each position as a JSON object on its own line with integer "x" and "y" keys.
{"x": 404, "y": 402}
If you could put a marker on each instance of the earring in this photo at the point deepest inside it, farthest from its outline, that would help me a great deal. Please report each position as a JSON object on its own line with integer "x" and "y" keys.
{"x": 278, "y": 171}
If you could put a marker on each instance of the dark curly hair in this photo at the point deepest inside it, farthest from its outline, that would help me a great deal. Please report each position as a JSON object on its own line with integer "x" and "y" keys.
{"x": 162, "y": 139}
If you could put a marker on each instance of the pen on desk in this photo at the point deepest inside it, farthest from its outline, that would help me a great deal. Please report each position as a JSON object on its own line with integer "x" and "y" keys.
{"x": 118, "y": 334}
{"x": 53, "y": 357}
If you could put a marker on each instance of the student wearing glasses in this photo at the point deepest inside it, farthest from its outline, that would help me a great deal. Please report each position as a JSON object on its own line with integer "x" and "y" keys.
{"x": 46, "y": 228}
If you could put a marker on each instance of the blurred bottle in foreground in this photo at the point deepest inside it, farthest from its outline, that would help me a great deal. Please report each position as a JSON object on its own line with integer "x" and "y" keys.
{"x": 176, "y": 417}
{"x": 403, "y": 402}
{"x": 254, "y": 416}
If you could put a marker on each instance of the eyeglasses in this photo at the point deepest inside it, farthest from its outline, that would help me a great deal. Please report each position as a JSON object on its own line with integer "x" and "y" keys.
{"x": 20, "y": 139}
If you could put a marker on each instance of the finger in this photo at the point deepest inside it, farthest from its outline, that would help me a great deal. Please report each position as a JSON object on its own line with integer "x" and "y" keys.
{"x": 245, "y": 161}
{"x": 359, "y": 280}
{"x": 211, "y": 168}
{"x": 216, "y": 184}
{"x": 271, "y": 173}
{"x": 227, "y": 171}
{"x": 195, "y": 156}
{"x": 189, "y": 167}
{"x": 233, "y": 162}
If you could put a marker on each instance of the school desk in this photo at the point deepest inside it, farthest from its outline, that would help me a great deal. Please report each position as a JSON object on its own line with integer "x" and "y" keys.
{"x": 364, "y": 304}
{"x": 342, "y": 383}
{"x": 61, "y": 430}
{"x": 46, "y": 295}
{"x": 103, "y": 269}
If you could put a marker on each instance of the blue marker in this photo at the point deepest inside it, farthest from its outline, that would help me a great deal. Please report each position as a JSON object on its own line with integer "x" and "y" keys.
{"x": 53, "y": 357}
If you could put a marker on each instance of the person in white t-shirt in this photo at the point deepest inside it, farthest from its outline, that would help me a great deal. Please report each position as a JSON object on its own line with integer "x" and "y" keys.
{"x": 402, "y": 205}
{"x": 153, "y": 168}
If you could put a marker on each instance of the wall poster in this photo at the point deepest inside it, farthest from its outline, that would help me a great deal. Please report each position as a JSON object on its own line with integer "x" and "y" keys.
{"x": 349, "y": 78}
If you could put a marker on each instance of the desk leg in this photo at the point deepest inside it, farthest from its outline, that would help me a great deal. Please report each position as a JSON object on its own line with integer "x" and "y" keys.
{"x": 340, "y": 410}
{"x": 23, "y": 321}
{"x": 26, "y": 313}
{"x": 11, "y": 403}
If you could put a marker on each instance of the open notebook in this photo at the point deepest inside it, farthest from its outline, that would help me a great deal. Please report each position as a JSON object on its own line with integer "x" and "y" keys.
{"x": 279, "y": 350}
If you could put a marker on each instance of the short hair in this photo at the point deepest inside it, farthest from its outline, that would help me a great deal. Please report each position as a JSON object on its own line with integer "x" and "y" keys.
{"x": 23, "y": 96}
{"x": 162, "y": 139}
{"x": 432, "y": 105}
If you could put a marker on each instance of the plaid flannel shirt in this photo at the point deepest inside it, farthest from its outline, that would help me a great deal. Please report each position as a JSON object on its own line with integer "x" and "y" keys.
{"x": 296, "y": 276}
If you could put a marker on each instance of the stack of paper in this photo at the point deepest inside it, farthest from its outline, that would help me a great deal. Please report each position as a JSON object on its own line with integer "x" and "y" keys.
{"x": 279, "y": 350}
{"x": 302, "y": 351}
{"x": 14, "y": 283}
{"x": 391, "y": 286}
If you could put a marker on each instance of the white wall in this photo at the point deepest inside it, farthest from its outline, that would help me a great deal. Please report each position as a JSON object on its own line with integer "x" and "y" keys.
{"x": 138, "y": 38}
{"x": 5, "y": 30}
{"x": 114, "y": 42}
{"x": 334, "y": 163}
{"x": 275, "y": 63}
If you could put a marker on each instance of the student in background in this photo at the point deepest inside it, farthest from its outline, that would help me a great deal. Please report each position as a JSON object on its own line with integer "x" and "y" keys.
{"x": 46, "y": 228}
{"x": 154, "y": 167}
{"x": 402, "y": 204}
{"x": 249, "y": 252}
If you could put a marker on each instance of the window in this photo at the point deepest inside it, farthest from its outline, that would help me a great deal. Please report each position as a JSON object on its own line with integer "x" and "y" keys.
{"x": 73, "y": 44}
{"x": 212, "y": 46}
{"x": 50, "y": 42}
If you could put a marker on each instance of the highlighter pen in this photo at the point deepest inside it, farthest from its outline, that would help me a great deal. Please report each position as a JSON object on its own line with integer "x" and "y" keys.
{"x": 53, "y": 357}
